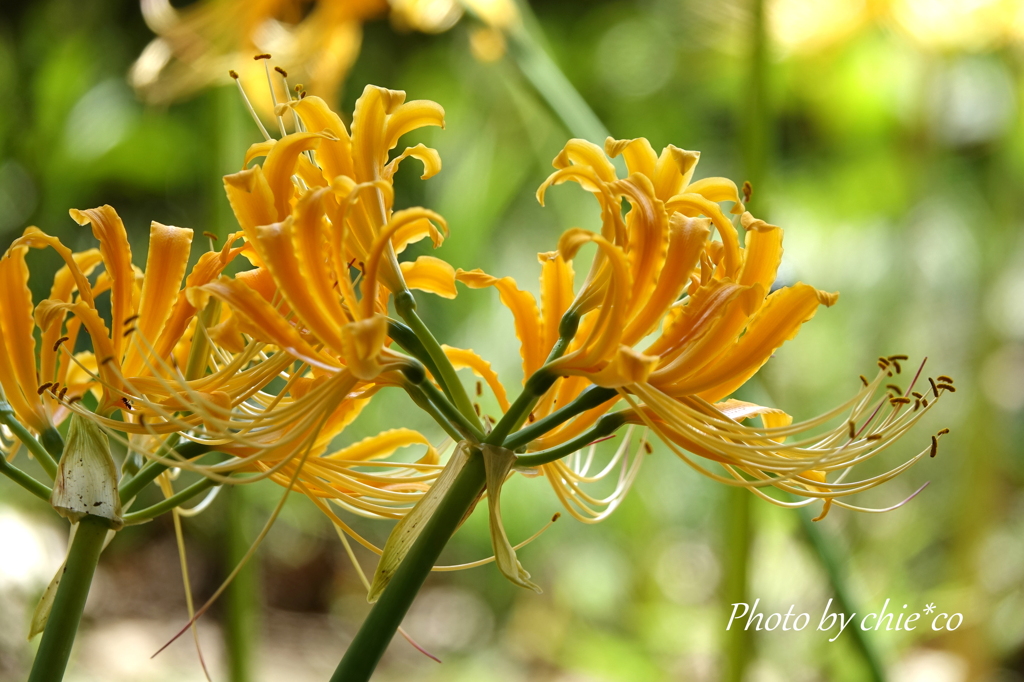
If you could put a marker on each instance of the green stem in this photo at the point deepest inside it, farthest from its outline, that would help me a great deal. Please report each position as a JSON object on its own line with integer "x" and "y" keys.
{"x": 738, "y": 643}
{"x": 131, "y": 487}
{"x": 458, "y": 420}
{"x": 69, "y": 602}
{"x": 169, "y": 503}
{"x": 589, "y": 398}
{"x": 30, "y": 484}
{"x": 405, "y": 338}
{"x": 405, "y": 304}
{"x": 379, "y": 628}
{"x": 536, "y": 386}
{"x": 424, "y": 404}
{"x": 550, "y": 83}
{"x": 605, "y": 426}
{"x": 8, "y": 419}
{"x": 829, "y": 558}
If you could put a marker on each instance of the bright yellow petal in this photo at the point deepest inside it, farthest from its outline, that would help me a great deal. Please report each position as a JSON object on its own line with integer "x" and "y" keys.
{"x": 694, "y": 205}
{"x": 687, "y": 237}
{"x": 383, "y": 445}
{"x": 461, "y": 357}
{"x": 117, "y": 259}
{"x": 334, "y": 156}
{"x": 638, "y": 153}
{"x": 410, "y": 116}
{"x": 523, "y": 307}
{"x": 717, "y": 189}
{"x": 556, "y": 294}
{"x": 280, "y": 166}
{"x": 18, "y": 367}
{"x": 165, "y": 267}
{"x": 673, "y": 171}
{"x": 775, "y": 323}
{"x": 430, "y": 274}
{"x": 252, "y": 201}
{"x": 429, "y": 157}
{"x": 263, "y": 322}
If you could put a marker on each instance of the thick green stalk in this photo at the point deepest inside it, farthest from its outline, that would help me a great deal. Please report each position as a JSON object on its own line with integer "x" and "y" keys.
{"x": 69, "y": 602}
{"x": 405, "y": 304}
{"x": 169, "y": 503}
{"x": 405, "y": 338}
{"x": 379, "y": 628}
{"x": 30, "y": 484}
{"x": 738, "y": 643}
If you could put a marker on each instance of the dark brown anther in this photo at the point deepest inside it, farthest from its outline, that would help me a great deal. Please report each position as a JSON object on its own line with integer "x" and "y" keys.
{"x": 943, "y": 432}
{"x": 54, "y": 387}
{"x": 899, "y": 368}
{"x": 916, "y": 395}
{"x": 142, "y": 419}
{"x": 128, "y": 331}
{"x": 557, "y": 516}
{"x": 874, "y": 436}
{"x": 648, "y": 448}
{"x": 864, "y": 380}
{"x": 899, "y": 357}
{"x": 42, "y": 389}
{"x": 748, "y": 191}
{"x": 883, "y": 362}
{"x": 476, "y": 406}
{"x": 895, "y": 388}
{"x": 948, "y": 387}
{"x": 935, "y": 446}
{"x": 917, "y": 405}
{"x": 60, "y": 396}
{"x": 935, "y": 389}
{"x": 944, "y": 379}
{"x": 74, "y": 399}
{"x": 265, "y": 55}
{"x": 281, "y": 71}
{"x": 479, "y": 388}
{"x": 57, "y": 343}
{"x": 899, "y": 401}
{"x": 109, "y": 358}
{"x": 129, "y": 320}
{"x": 531, "y": 418}
{"x": 853, "y": 430}
{"x": 211, "y": 235}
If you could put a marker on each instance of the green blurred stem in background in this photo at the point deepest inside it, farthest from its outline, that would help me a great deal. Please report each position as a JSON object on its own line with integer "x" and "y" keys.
{"x": 241, "y": 612}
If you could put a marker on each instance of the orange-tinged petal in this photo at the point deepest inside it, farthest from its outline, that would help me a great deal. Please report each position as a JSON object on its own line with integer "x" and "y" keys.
{"x": 523, "y": 307}
{"x": 370, "y": 131}
{"x": 687, "y": 237}
{"x": 280, "y": 166}
{"x": 18, "y": 367}
{"x": 252, "y": 201}
{"x": 334, "y": 156}
{"x": 382, "y": 445}
{"x": 774, "y": 324}
{"x": 117, "y": 259}
{"x": 103, "y": 349}
{"x": 638, "y": 153}
{"x": 717, "y": 189}
{"x": 169, "y": 248}
{"x": 382, "y": 262}
{"x": 694, "y": 205}
{"x": 556, "y": 295}
{"x": 430, "y": 274}
{"x": 462, "y": 357}
{"x": 579, "y": 152}
{"x": 256, "y": 150}
{"x": 415, "y": 231}
{"x": 410, "y": 116}
{"x": 429, "y": 157}
{"x": 627, "y": 366}
{"x": 763, "y": 252}
{"x": 208, "y": 267}
{"x": 263, "y": 322}
{"x": 304, "y": 296}
{"x": 673, "y": 171}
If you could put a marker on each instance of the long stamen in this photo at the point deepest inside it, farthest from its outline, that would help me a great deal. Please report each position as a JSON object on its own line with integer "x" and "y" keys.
{"x": 248, "y": 105}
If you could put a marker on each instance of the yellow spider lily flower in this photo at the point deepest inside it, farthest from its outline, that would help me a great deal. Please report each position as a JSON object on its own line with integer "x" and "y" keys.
{"x": 673, "y": 321}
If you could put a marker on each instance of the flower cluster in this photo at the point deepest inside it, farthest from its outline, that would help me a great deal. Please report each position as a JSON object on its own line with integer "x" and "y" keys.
{"x": 678, "y": 310}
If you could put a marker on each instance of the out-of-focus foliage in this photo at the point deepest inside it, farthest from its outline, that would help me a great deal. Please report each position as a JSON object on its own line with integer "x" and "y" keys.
{"x": 897, "y": 171}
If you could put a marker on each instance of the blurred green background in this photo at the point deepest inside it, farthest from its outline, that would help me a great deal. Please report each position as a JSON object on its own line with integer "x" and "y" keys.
{"x": 888, "y": 140}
